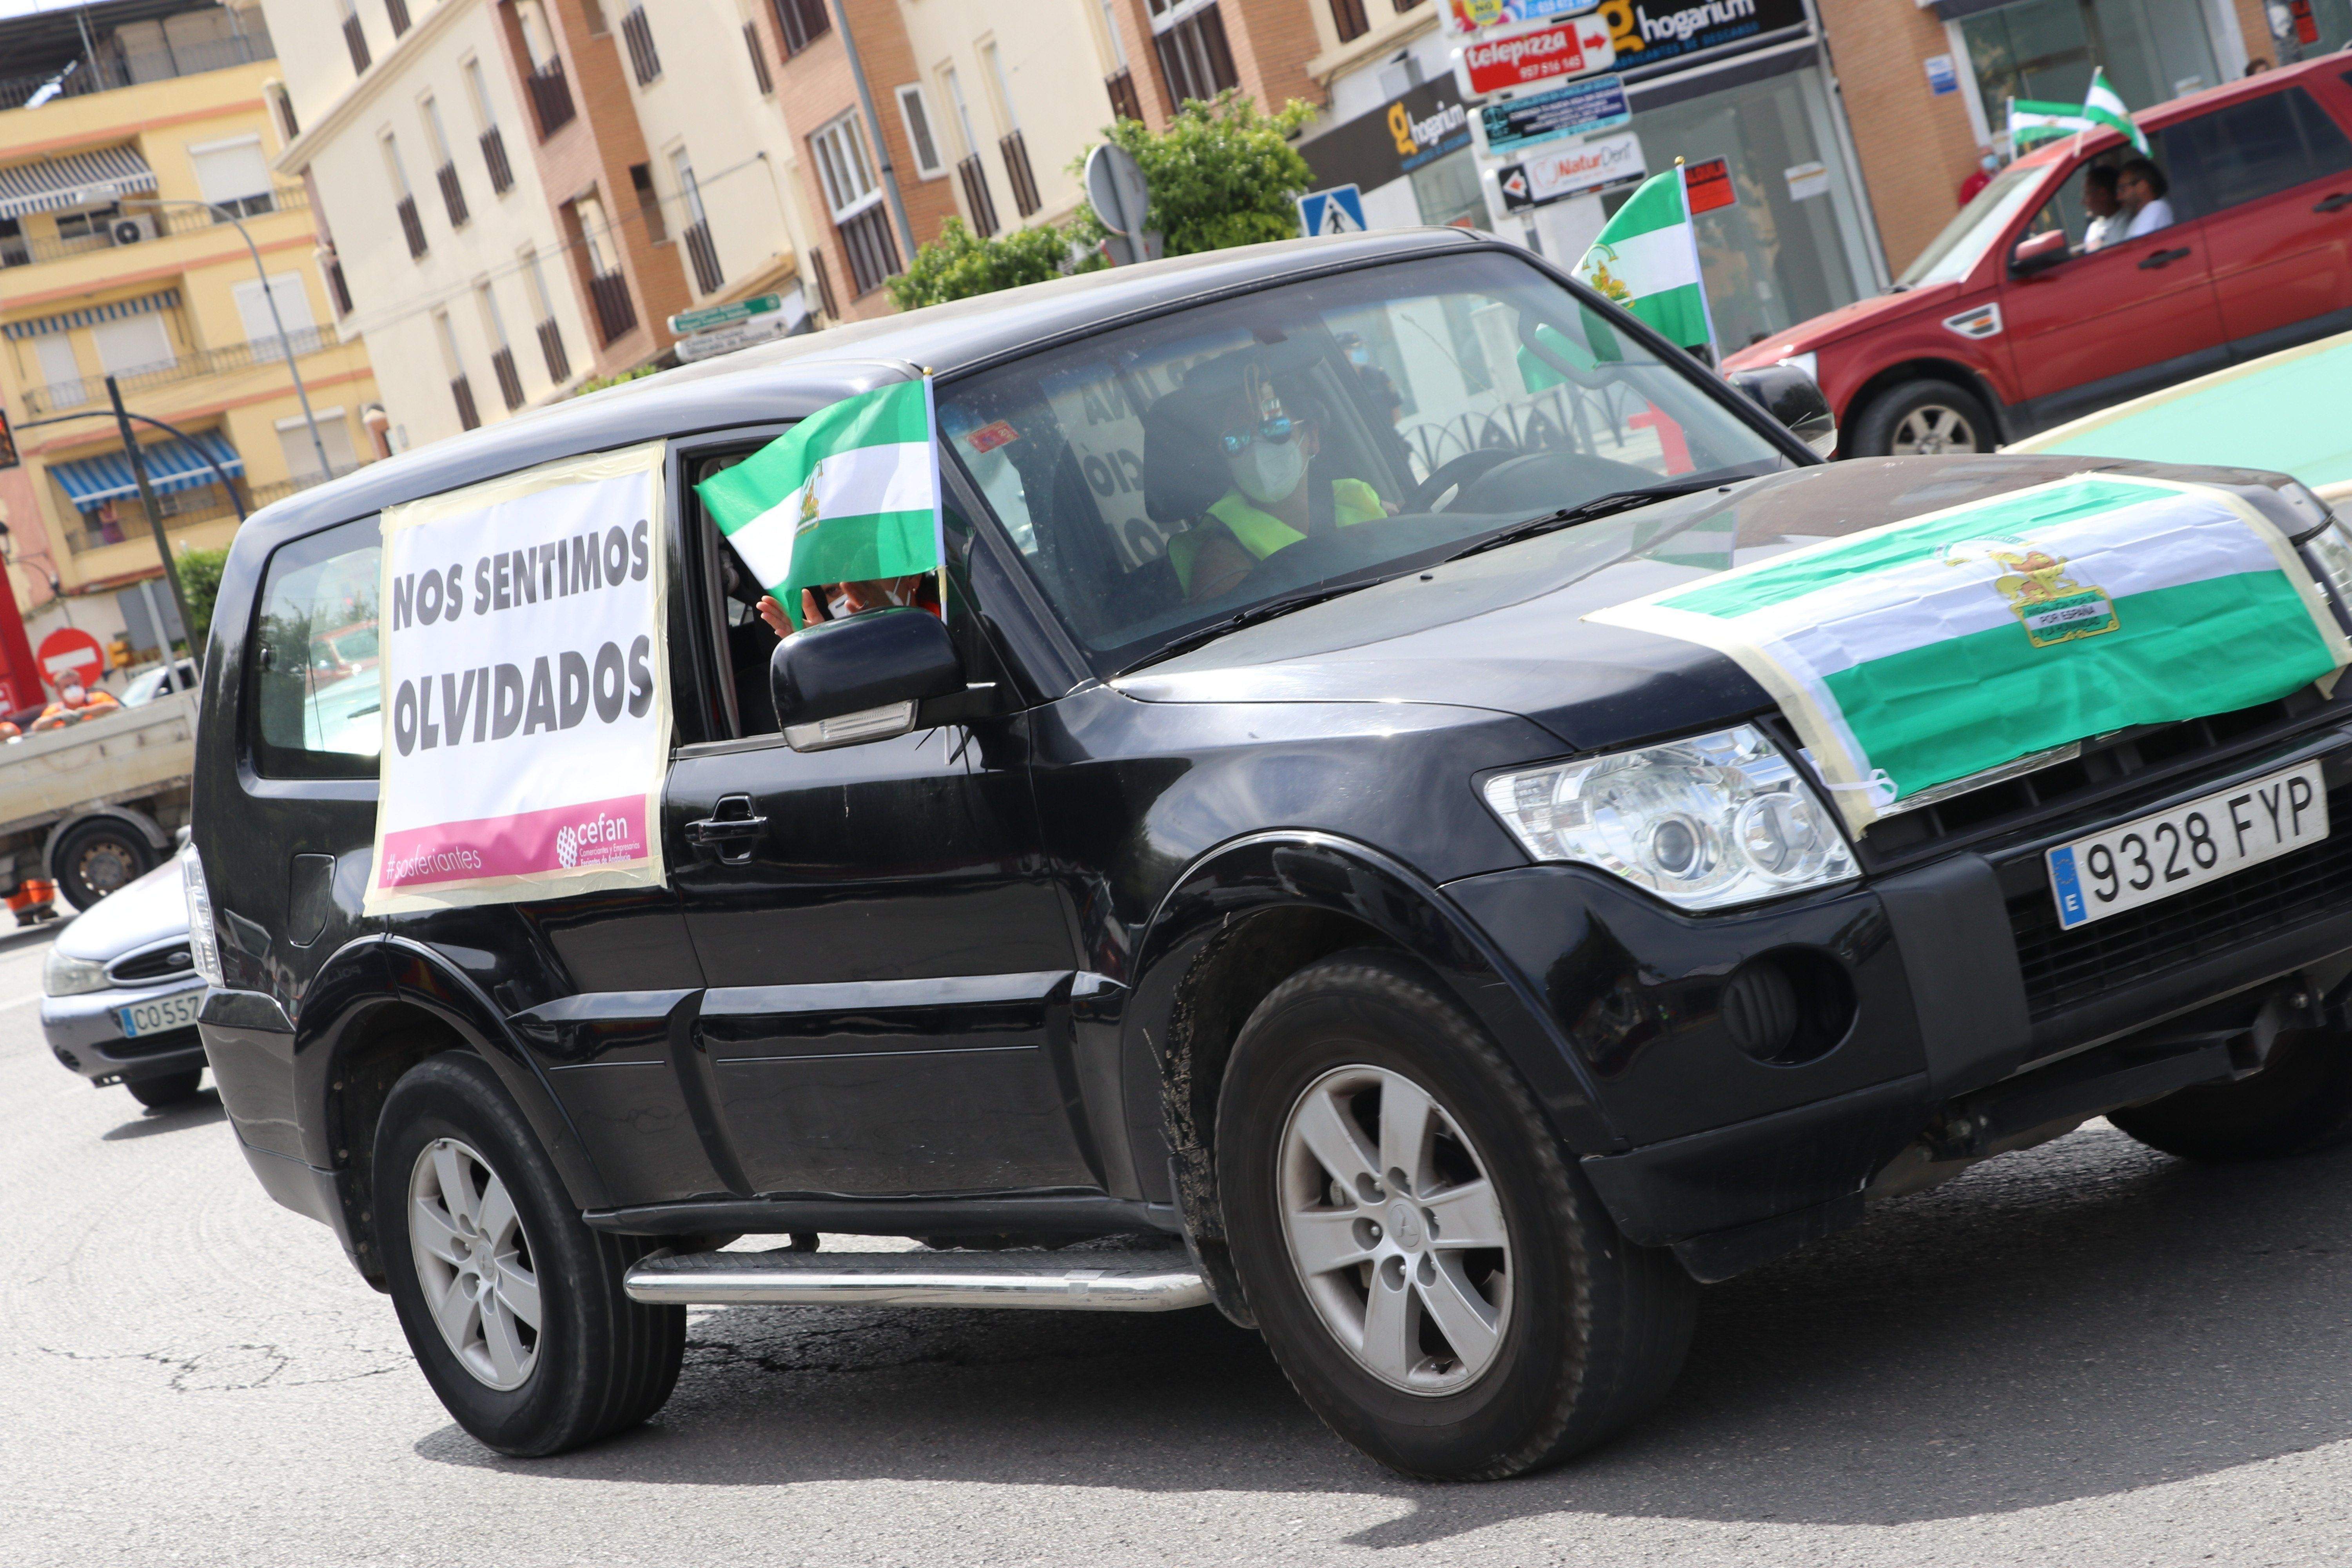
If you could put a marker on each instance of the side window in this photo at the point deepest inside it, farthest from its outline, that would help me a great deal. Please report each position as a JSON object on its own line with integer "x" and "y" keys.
{"x": 2256, "y": 149}
{"x": 316, "y": 680}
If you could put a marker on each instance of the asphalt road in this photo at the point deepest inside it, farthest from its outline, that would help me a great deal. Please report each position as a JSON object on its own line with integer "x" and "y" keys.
{"x": 2084, "y": 1354}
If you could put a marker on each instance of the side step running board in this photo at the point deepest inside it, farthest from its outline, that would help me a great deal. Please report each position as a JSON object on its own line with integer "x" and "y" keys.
{"x": 1162, "y": 1279}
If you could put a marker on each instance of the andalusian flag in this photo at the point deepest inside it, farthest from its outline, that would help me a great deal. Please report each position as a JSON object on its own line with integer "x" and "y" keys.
{"x": 1926, "y": 651}
{"x": 2102, "y": 110}
{"x": 1647, "y": 259}
{"x": 849, "y": 494}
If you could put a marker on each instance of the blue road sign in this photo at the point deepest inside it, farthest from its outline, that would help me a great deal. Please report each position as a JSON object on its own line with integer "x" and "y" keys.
{"x": 1339, "y": 210}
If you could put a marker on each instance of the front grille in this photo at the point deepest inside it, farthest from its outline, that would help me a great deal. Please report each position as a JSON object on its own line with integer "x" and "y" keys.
{"x": 67, "y": 1058}
{"x": 164, "y": 963}
{"x": 2064, "y": 969}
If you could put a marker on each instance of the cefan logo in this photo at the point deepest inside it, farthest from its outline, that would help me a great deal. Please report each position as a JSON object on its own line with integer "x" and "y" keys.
{"x": 567, "y": 846}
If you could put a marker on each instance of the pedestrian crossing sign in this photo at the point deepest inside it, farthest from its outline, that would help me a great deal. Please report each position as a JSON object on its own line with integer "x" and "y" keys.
{"x": 1339, "y": 210}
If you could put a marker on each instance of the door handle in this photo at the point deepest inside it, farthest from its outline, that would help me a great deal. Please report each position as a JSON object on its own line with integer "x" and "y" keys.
{"x": 2156, "y": 258}
{"x": 731, "y": 831}
{"x": 2335, "y": 201}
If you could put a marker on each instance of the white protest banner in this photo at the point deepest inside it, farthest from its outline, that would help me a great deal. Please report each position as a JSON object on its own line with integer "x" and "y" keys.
{"x": 526, "y": 690}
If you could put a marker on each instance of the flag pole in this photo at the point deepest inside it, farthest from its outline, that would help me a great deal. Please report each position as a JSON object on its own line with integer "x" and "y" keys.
{"x": 939, "y": 488}
{"x": 1699, "y": 268}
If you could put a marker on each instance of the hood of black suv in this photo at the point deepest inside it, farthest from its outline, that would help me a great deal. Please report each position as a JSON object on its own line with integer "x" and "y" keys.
{"x": 1504, "y": 630}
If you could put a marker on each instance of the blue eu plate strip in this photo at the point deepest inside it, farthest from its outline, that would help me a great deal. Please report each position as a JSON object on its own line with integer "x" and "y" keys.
{"x": 2072, "y": 912}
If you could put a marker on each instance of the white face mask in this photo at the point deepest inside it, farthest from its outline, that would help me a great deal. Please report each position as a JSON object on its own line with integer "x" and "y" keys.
{"x": 1269, "y": 471}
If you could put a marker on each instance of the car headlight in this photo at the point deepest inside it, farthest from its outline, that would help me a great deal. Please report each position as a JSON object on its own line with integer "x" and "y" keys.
{"x": 203, "y": 946}
{"x": 1808, "y": 362}
{"x": 2329, "y": 554}
{"x": 64, "y": 975}
{"x": 1707, "y": 823}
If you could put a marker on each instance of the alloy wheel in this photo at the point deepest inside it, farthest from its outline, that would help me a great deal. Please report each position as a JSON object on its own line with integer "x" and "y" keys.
{"x": 1395, "y": 1229}
{"x": 1933, "y": 429}
{"x": 474, "y": 1263}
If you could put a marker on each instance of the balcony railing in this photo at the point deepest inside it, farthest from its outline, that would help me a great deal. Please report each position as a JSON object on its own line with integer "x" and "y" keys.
{"x": 19, "y": 250}
{"x": 1124, "y": 104}
{"x": 873, "y": 253}
{"x": 356, "y": 38}
{"x": 463, "y": 391}
{"x": 412, "y": 225}
{"x": 1015, "y": 153}
{"x": 502, "y": 364}
{"x": 550, "y": 98}
{"x": 705, "y": 255}
{"x": 551, "y": 348}
{"x": 644, "y": 60}
{"x": 975, "y": 195}
{"x": 58, "y": 396}
{"x": 494, "y": 157}
{"x": 615, "y": 315}
{"x": 397, "y": 11}
{"x": 113, "y": 67}
{"x": 453, "y": 194}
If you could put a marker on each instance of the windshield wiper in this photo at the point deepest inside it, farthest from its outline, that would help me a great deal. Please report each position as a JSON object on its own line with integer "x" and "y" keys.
{"x": 1244, "y": 617}
{"x": 1583, "y": 511}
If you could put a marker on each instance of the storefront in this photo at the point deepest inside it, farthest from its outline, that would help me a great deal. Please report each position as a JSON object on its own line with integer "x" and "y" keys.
{"x": 2150, "y": 49}
{"x": 1409, "y": 154}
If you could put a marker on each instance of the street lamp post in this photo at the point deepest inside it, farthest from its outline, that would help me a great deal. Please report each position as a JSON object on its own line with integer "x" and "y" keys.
{"x": 285, "y": 345}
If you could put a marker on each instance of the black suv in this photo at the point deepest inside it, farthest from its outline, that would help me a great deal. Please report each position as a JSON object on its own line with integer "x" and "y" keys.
{"x": 1174, "y": 919}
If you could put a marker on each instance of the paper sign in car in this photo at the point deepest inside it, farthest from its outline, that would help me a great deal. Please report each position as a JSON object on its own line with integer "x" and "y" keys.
{"x": 1556, "y": 173}
{"x": 526, "y": 716}
{"x": 1540, "y": 57}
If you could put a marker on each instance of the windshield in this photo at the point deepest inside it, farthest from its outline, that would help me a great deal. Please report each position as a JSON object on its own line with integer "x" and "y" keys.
{"x": 1954, "y": 254}
{"x": 1166, "y": 476}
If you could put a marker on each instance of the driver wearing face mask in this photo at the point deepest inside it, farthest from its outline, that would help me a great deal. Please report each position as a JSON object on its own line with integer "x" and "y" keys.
{"x": 1270, "y": 505}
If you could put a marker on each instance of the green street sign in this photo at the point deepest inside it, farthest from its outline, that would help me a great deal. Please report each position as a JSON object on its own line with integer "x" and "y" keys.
{"x": 721, "y": 315}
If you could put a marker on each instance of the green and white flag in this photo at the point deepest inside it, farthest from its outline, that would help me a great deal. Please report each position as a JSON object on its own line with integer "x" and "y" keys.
{"x": 2101, "y": 110}
{"x": 849, "y": 494}
{"x": 1930, "y": 650}
{"x": 1647, "y": 259}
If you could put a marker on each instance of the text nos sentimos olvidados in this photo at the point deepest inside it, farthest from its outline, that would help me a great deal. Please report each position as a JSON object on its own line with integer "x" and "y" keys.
{"x": 495, "y": 701}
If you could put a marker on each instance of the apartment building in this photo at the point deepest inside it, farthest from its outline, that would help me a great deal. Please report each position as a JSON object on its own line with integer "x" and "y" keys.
{"x": 132, "y": 133}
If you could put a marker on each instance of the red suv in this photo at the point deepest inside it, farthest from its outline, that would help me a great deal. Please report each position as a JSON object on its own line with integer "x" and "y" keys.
{"x": 2027, "y": 310}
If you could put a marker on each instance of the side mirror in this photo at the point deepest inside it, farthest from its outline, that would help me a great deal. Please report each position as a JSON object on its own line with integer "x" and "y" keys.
{"x": 1795, "y": 399}
{"x": 2038, "y": 254}
{"x": 862, "y": 679}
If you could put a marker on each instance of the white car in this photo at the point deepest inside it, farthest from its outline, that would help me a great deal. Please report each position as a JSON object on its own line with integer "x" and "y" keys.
{"x": 119, "y": 992}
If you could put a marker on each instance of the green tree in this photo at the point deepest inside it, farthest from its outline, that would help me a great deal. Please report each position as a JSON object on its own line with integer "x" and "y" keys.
{"x": 200, "y": 576}
{"x": 1221, "y": 174}
{"x": 960, "y": 264}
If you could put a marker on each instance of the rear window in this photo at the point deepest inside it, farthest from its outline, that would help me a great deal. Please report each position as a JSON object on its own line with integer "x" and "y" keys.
{"x": 315, "y": 678}
{"x": 2255, "y": 148}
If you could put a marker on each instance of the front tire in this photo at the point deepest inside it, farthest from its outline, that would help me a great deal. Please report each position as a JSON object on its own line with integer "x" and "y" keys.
{"x": 1436, "y": 1279}
{"x": 2300, "y": 1103}
{"x": 513, "y": 1307}
{"x": 1925, "y": 418}
{"x": 100, "y": 858}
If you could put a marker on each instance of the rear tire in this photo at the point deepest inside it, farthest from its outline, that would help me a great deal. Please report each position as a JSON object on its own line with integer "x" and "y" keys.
{"x": 1924, "y": 418}
{"x": 100, "y": 858}
{"x": 594, "y": 1362}
{"x": 1582, "y": 1332}
{"x": 166, "y": 1089}
{"x": 2300, "y": 1103}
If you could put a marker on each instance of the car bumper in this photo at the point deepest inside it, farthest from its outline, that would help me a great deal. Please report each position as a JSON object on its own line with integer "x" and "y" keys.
{"x": 85, "y": 1034}
{"x": 1967, "y": 1009}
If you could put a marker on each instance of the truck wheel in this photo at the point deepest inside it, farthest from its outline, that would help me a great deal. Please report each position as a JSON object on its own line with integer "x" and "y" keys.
{"x": 2299, "y": 1103}
{"x": 1924, "y": 418}
{"x": 1435, "y": 1277}
{"x": 513, "y": 1307}
{"x": 100, "y": 858}
{"x": 167, "y": 1088}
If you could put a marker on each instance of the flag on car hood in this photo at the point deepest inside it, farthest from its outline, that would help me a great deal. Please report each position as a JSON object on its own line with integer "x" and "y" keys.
{"x": 1647, "y": 259}
{"x": 2102, "y": 109}
{"x": 849, "y": 494}
{"x": 1927, "y": 651}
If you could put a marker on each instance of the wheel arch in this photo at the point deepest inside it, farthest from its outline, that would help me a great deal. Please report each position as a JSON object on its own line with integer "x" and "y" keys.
{"x": 1253, "y": 912}
{"x": 1925, "y": 368}
{"x": 146, "y": 827}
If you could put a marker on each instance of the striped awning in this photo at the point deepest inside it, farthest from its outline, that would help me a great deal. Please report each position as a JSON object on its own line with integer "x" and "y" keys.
{"x": 92, "y": 482}
{"x": 78, "y": 180}
{"x": 39, "y": 326}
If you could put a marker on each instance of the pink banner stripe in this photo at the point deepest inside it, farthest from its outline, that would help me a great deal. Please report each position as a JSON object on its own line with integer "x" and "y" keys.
{"x": 556, "y": 838}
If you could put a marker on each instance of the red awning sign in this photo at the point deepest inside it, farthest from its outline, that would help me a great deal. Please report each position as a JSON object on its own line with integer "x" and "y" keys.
{"x": 1541, "y": 56}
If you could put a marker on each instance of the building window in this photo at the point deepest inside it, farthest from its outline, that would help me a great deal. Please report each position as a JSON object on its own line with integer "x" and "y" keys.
{"x": 445, "y": 164}
{"x": 644, "y": 60}
{"x": 461, "y": 391}
{"x": 261, "y": 324}
{"x": 543, "y": 308}
{"x": 917, "y": 118}
{"x": 493, "y": 143}
{"x": 979, "y": 203}
{"x": 1190, "y": 37}
{"x": 854, "y": 198}
{"x": 701, "y": 249}
{"x": 397, "y": 13}
{"x": 608, "y": 288}
{"x": 411, "y": 225}
{"x": 759, "y": 59}
{"x": 502, "y": 360}
{"x": 649, "y": 204}
{"x": 550, "y": 93}
{"x": 1011, "y": 147}
{"x": 233, "y": 175}
{"x": 286, "y": 120}
{"x": 1348, "y": 17}
{"x": 804, "y": 22}
{"x": 356, "y": 38}
{"x": 2046, "y": 50}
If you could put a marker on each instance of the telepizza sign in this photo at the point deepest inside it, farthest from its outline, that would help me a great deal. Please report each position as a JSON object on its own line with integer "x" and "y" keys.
{"x": 1542, "y": 56}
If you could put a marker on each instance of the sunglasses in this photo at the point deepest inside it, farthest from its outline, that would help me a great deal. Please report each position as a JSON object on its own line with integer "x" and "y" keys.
{"x": 1278, "y": 429}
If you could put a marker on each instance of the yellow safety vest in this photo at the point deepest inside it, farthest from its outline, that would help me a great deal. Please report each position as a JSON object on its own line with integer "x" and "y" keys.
{"x": 1262, "y": 533}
